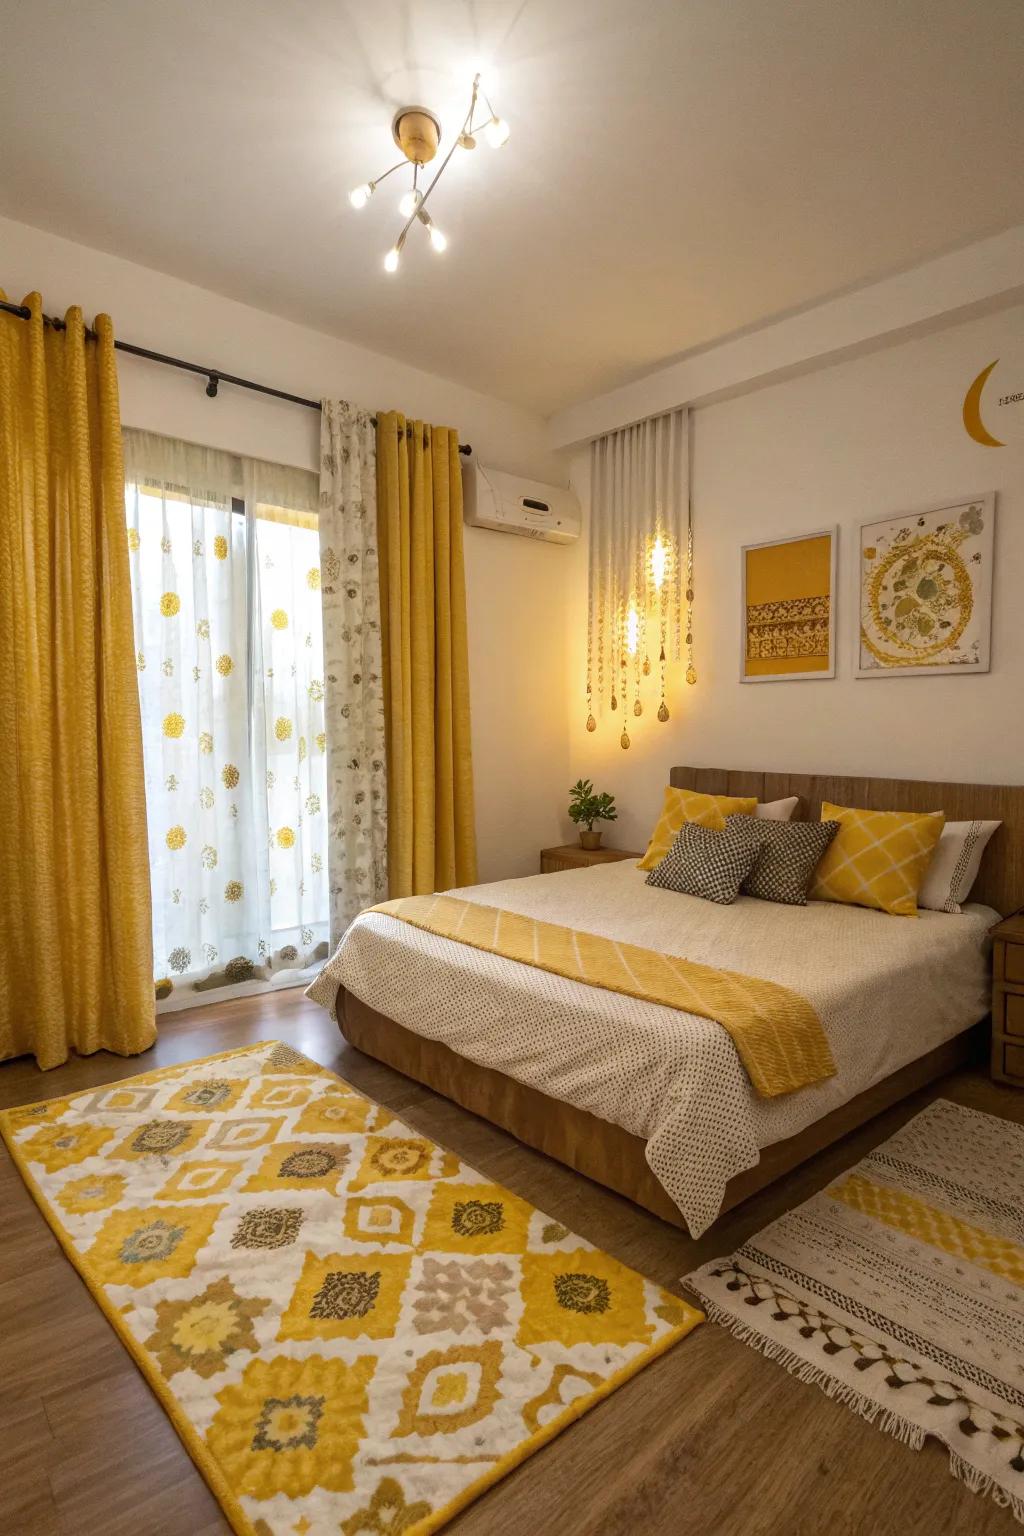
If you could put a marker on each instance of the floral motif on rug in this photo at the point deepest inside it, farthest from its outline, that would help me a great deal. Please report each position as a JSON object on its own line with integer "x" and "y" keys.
{"x": 352, "y": 1331}
{"x": 898, "y": 1291}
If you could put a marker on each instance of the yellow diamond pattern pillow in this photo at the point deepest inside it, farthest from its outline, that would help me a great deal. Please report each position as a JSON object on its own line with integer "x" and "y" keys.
{"x": 876, "y": 859}
{"x": 683, "y": 805}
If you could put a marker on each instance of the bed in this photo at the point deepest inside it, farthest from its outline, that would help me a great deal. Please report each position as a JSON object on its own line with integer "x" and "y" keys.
{"x": 651, "y": 1101}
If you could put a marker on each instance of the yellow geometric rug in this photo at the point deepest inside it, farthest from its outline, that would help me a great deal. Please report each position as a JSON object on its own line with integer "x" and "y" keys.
{"x": 352, "y": 1332}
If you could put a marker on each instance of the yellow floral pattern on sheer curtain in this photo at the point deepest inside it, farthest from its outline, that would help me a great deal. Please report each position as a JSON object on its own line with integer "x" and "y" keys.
{"x": 74, "y": 886}
{"x": 230, "y": 663}
{"x": 288, "y": 557}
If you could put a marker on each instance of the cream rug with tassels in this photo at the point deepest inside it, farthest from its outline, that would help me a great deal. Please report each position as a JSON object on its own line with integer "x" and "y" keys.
{"x": 899, "y": 1290}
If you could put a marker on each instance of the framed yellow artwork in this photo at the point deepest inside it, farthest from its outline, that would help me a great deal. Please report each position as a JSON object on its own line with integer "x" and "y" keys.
{"x": 788, "y": 612}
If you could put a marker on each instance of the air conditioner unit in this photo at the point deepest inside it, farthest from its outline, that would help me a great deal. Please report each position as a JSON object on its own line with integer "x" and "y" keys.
{"x": 510, "y": 504}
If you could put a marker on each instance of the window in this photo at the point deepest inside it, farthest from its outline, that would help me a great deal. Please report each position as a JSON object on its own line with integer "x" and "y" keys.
{"x": 226, "y": 590}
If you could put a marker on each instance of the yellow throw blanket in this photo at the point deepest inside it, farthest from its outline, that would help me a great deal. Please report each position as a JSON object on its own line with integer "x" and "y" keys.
{"x": 777, "y": 1033}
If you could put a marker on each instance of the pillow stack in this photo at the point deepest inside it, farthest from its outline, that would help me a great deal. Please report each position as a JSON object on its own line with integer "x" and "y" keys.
{"x": 715, "y": 846}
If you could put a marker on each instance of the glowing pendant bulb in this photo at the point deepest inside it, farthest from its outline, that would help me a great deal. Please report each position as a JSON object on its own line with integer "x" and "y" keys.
{"x": 437, "y": 239}
{"x": 409, "y": 203}
{"x": 360, "y": 196}
{"x": 391, "y": 260}
{"x": 496, "y": 132}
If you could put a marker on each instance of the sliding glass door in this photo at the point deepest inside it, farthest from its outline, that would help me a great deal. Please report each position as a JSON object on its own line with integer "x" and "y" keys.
{"x": 226, "y": 589}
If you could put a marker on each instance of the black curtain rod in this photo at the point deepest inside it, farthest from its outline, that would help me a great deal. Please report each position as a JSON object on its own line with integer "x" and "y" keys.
{"x": 214, "y": 377}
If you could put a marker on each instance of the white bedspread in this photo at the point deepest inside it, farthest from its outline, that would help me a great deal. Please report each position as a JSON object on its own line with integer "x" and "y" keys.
{"x": 887, "y": 990}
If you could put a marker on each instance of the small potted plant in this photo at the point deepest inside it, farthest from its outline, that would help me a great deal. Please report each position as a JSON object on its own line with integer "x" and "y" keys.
{"x": 585, "y": 808}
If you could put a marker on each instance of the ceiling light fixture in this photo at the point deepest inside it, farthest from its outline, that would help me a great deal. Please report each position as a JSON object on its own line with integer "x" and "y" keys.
{"x": 417, "y": 132}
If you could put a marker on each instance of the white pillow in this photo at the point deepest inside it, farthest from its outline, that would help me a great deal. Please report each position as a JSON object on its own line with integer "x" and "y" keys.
{"x": 954, "y": 866}
{"x": 778, "y": 810}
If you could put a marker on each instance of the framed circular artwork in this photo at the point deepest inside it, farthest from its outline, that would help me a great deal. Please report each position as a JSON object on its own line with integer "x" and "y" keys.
{"x": 926, "y": 591}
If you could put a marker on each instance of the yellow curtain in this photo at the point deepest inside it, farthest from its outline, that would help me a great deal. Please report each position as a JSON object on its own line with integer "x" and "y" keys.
{"x": 431, "y": 835}
{"x": 75, "y": 925}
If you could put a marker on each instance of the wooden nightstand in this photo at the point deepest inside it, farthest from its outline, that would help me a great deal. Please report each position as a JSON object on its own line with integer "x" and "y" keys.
{"x": 1008, "y": 1000}
{"x": 572, "y": 856}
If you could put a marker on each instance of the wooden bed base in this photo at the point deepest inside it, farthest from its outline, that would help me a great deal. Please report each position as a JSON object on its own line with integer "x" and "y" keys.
{"x": 596, "y": 1148}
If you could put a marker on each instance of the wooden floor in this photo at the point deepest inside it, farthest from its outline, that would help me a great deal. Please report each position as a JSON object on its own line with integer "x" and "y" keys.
{"x": 710, "y": 1439}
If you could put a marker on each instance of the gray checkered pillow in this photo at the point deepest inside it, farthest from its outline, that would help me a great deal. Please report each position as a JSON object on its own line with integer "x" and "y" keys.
{"x": 707, "y": 862}
{"x": 788, "y": 853}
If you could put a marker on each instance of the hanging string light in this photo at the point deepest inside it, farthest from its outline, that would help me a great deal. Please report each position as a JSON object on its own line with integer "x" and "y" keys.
{"x": 641, "y": 541}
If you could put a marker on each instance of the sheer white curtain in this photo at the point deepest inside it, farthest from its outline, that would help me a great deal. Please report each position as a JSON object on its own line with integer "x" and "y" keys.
{"x": 226, "y": 593}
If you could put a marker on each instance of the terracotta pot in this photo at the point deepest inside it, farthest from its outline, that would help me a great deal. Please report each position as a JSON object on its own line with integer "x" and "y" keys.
{"x": 591, "y": 839}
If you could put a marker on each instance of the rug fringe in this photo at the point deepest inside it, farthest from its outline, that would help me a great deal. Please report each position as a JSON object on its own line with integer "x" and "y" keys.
{"x": 901, "y": 1429}
{"x": 893, "y": 1424}
{"x": 980, "y": 1482}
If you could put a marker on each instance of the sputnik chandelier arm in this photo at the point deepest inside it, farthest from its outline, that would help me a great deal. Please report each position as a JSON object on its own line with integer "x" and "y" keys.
{"x": 417, "y": 132}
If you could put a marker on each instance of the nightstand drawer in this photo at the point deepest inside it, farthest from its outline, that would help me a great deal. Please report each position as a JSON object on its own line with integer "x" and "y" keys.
{"x": 1009, "y": 1013}
{"x": 1013, "y": 963}
{"x": 1013, "y": 1061}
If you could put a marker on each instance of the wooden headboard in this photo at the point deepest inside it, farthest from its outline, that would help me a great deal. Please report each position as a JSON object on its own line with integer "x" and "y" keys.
{"x": 1000, "y": 882}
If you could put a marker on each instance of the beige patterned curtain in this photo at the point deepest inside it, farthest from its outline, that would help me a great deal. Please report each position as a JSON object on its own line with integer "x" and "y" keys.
{"x": 357, "y": 779}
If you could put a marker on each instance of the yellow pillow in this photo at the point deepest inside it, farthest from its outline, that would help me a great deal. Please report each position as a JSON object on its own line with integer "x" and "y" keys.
{"x": 682, "y": 805}
{"x": 877, "y": 858}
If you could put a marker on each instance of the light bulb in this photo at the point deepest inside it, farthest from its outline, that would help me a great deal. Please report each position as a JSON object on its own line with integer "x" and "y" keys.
{"x": 391, "y": 260}
{"x": 409, "y": 203}
{"x": 497, "y": 132}
{"x": 360, "y": 196}
{"x": 437, "y": 239}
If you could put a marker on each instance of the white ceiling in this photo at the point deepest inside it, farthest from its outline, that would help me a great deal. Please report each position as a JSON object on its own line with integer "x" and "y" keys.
{"x": 678, "y": 169}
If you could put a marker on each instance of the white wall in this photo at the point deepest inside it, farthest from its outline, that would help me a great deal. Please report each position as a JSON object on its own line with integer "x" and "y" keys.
{"x": 516, "y": 589}
{"x": 864, "y": 438}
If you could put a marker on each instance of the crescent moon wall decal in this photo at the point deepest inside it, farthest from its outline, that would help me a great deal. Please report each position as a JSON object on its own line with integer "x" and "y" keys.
{"x": 972, "y": 411}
